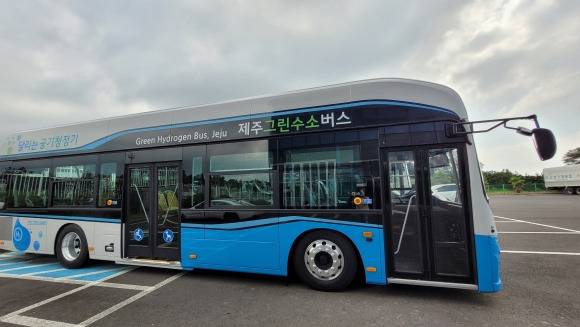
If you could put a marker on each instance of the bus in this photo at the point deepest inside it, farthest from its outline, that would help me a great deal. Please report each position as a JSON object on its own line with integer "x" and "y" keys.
{"x": 331, "y": 184}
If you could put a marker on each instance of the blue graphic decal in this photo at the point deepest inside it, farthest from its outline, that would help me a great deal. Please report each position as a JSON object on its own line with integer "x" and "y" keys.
{"x": 20, "y": 236}
{"x": 168, "y": 235}
{"x": 138, "y": 234}
{"x": 36, "y": 245}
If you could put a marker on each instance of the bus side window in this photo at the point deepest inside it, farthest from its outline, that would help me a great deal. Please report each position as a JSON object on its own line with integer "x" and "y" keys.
{"x": 29, "y": 185}
{"x": 192, "y": 193}
{"x": 329, "y": 176}
{"x": 3, "y": 187}
{"x": 111, "y": 180}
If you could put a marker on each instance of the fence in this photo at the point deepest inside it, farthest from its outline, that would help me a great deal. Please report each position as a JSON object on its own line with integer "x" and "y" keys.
{"x": 529, "y": 187}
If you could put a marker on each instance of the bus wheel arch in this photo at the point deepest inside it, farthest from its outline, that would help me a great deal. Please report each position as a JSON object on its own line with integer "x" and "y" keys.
{"x": 71, "y": 247}
{"x": 325, "y": 260}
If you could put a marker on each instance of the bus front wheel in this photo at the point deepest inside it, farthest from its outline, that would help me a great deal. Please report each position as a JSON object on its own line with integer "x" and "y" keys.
{"x": 325, "y": 260}
{"x": 71, "y": 247}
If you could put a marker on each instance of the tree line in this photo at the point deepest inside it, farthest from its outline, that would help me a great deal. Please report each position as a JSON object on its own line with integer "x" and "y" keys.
{"x": 572, "y": 157}
{"x": 507, "y": 177}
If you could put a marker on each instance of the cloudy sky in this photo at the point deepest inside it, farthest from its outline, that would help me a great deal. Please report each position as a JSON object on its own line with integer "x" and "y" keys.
{"x": 71, "y": 61}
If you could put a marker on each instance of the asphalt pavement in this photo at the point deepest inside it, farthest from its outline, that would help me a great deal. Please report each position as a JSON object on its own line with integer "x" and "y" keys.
{"x": 540, "y": 244}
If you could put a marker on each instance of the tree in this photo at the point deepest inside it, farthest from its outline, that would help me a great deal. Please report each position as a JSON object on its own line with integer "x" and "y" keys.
{"x": 572, "y": 157}
{"x": 518, "y": 183}
{"x": 495, "y": 177}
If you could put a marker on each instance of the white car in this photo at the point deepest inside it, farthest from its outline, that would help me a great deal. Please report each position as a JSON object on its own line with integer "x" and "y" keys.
{"x": 448, "y": 191}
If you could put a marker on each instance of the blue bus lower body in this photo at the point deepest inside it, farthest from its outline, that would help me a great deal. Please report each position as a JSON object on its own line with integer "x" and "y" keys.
{"x": 265, "y": 246}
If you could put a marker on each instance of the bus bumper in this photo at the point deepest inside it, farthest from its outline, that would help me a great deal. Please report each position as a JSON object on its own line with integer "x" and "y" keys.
{"x": 488, "y": 264}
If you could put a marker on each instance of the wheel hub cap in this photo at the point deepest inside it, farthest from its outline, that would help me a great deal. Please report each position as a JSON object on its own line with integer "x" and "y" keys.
{"x": 324, "y": 259}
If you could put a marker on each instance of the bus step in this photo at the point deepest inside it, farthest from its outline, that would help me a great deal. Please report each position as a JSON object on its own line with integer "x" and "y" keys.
{"x": 150, "y": 263}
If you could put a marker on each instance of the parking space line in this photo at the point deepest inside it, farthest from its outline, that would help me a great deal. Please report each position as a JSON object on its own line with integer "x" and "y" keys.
{"x": 22, "y": 266}
{"x": 95, "y": 275}
{"x": 543, "y": 225}
{"x": 131, "y": 299}
{"x": 569, "y": 233}
{"x": 540, "y": 252}
{"x": 33, "y": 322}
{"x": 16, "y": 314}
{"x": 43, "y": 279}
{"x": 124, "y": 286}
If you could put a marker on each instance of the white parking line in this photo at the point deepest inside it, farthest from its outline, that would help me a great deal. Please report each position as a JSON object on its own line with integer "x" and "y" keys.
{"x": 18, "y": 319}
{"x": 565, "y": 231}
{"x": 539, "y": 252}
{"x": 15, "y": 318}
{"x": 131, "y": 299}
{"x": 25, "y": 267}
{"x": 543, "y": 225}
{"x": 537, "y": 233}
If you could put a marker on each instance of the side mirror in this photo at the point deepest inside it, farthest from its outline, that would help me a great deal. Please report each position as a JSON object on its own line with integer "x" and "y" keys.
{"x": 545, "y": 143}
{"x": 544, "y": 139}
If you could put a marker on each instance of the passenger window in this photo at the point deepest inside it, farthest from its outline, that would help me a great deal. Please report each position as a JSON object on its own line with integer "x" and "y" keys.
{"x": 193, "y": 179}
{"x": 3, "y": 186}
{"x": 241, "y": 173}
{"x": 28, "y": 186}
{"x": 241, "y": 190}
{"x": 74, "y": 185}
{"x": 110, "y": 185}
{"x": 330, "y": 177}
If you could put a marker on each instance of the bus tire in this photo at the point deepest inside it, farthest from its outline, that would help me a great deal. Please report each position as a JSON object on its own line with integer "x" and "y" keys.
{"x": 325, "y": 261}
{"x": 71, "y": 247}
{"x": 570, "y": 190}
{"x": 578, "y": 191}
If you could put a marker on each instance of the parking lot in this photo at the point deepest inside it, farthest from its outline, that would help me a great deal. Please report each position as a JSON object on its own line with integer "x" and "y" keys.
{"x": 539, "y": 238}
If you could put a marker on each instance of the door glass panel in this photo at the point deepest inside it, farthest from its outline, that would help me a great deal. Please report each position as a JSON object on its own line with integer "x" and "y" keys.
{"x": 167, "y": 207}
{"x": 448, "y": 215}
{"x": 139, "y": 206}
{"x": 405, "y": 220}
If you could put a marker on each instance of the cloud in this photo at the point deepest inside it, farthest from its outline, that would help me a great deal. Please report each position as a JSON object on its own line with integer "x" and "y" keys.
{"x": 64, "y": 62}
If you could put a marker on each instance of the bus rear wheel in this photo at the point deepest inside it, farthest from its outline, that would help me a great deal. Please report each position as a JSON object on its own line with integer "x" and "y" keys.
{"x": 71, "y": 247}
{"x": 326, "y": 261}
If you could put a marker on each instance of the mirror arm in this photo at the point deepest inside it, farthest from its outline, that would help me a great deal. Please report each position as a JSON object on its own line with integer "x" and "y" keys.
{"x": 458, "y": 129}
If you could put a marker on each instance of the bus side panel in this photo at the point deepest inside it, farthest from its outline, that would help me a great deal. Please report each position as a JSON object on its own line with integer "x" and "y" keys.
{"x": 252, "y": 246}
{"x": 6, "y": 233}
{"x": 26, "y": 234}
{"x": 38, "y": 235}
{"x": 371, "y": 251}
{"x": 105, "y": 235}
{"x": 192, "y": 237}
{"x": 243, "y": 246}
{"x": 488, "y": 267}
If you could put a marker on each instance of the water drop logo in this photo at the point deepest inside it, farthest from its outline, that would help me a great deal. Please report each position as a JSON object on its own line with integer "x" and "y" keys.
{"x": 20, "y": 236}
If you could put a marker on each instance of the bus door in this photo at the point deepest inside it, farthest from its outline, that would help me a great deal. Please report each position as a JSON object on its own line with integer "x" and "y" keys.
{"x": 152, "y": 212}
{"x": 427, "y": 227}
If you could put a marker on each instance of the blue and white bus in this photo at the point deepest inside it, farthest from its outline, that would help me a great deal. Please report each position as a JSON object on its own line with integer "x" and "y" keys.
{"x": 332, "y": 183}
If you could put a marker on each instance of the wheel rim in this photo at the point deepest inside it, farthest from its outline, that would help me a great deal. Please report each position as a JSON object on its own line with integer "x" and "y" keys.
{"x": 324, "y": 259}
{"x": 71, "y": 246}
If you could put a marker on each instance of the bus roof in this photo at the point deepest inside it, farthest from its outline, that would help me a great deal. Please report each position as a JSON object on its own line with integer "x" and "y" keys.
{"x": 78, "y": 135}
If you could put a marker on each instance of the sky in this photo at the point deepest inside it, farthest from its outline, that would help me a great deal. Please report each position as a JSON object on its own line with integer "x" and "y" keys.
{"x": 70, "y": 61}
